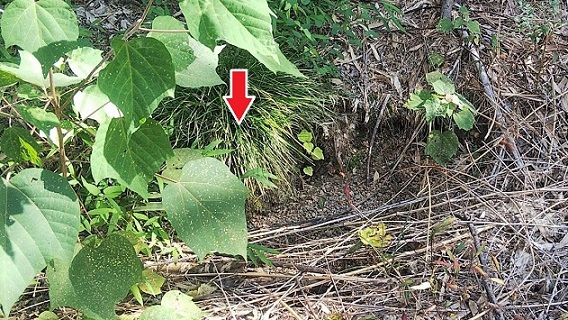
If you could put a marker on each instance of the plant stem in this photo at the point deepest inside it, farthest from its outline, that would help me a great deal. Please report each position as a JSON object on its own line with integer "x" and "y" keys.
{"x": 57, "y": 107}
{"x": 165, "y": 178}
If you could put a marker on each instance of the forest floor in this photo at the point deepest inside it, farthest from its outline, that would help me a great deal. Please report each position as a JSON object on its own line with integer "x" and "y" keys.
{"x": 484, "y": 237}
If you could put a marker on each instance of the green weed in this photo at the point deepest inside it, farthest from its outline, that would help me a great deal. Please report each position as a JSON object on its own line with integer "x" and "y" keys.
{"x": 266, "y": 139}
{"x": 311, "y": 30}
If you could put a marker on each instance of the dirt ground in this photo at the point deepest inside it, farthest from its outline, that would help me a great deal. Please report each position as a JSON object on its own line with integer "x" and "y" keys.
{"x": 485, "y": 237}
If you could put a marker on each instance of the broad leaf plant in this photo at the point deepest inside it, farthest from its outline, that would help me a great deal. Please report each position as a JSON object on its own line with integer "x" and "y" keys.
{"x": 57, "y": 89}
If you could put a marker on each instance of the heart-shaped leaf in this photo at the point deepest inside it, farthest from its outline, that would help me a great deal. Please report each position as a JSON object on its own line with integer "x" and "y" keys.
{"x": 141, "y": 74}
{"x": 103, "y": 275}
{"x": 441, "y": 146}
{"x": 39, "y": 221}
{"x": 96, "y": 279}
{"x": 132, "y": 160}
{"x": 32, "y": 25}
{"x": 207, "y": 208}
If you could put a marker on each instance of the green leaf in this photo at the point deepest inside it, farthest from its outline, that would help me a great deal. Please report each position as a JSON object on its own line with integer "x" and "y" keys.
{"x": 458, "y": 22}
{"x": 308, "y": 146}
{"x": 62, "y": 293}
{"x": 32, "y": 25}
{"x": 39, "y": 216}
{"x": 443, "y": 87}
{"x": 47, "y": 315}
{"x": 207, "y": 208}
{"x": 29, "y": 70}
{"x": 473, "y": 27}
{"x": 97, "y": 277}
{"x": 131, "y": 160}
{"x": 283, "y": 64}
{"x": 262, "y": 176}
{"x": 433, "y": 76}
{"x": 194, "y": 63}
{"x": 244, "y": 24}
{"x": 103, "y": 275}
{"x": 317, "y": 154}
{"x": 7, "y": 79}
{"x": 305, "y": 136}
{"x": 434, "y": 108}
{"x": 464, "y": 119}
{"x": 375, "y": 236}
{"x": 446, "y": 25}
{"x": 443, "y": 225}
{"x": 417, "y": 99}
{"x": 141, "y": 74}
{"x": 442, "y": 146}
{"x": 152, "y": 283}
{"x": 91, "y": 188}
{"x": 51, "y": 53}
{"x": 464, "y": 12}
{"x": 465, "y": 104}
{"x": 92, "y": 103}
{"x": 19, "y": 145}
{"x": 436, "y": 59}
{"x": 40, "y": 118}
{"x": 309, "y": 171}
{"x": 83, "y": 60}
{"x": 175, "y": 306}
{"x": 175, "y": 164}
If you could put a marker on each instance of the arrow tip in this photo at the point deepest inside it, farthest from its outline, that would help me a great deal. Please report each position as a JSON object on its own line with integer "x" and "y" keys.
{"x": 239, "y": 101}
{"x": 239, "y": 106}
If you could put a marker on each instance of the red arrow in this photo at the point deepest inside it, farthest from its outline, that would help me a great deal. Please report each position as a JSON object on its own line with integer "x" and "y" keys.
{"x": 239, "y": 101}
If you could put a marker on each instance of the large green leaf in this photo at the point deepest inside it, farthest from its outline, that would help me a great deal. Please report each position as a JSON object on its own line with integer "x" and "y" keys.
{"x": 175, "y": 306}
{"x": 194, "y": 63}
{"x": 141, "y": 74}
{"x": 32, "y": 25}
{"x": 132, "y": 160}
{"x": 62, "y": 293}
{"x": 207, "y": 208}
{"x": 103, "y": 275}
{"x": 39, "y": 221}
{"x": 244, "y": 24}
{"x": 97, "y": 278}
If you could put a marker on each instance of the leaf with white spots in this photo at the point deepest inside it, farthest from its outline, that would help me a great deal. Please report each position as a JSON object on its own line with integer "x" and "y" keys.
{"x": 103, "y": 275}
{"x": 207, "y": 208}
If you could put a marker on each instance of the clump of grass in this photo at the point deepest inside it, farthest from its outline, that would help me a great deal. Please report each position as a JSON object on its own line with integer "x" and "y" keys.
{"x": 266, "y": 138}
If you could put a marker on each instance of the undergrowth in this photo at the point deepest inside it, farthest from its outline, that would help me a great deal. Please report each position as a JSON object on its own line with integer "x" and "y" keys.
{"x": 267, "y": 138}
{"x": 316, "y": 32}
